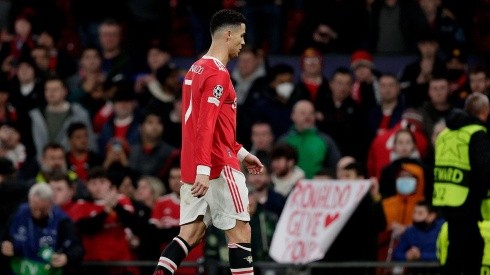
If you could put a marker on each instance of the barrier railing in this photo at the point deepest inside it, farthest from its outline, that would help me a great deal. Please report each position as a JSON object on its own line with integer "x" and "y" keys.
{"x": 272, "y": 268}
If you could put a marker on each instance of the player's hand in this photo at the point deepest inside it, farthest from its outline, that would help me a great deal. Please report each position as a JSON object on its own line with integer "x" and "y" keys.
{"x": 253, "y": 164}
{"x": 201, "y": 185}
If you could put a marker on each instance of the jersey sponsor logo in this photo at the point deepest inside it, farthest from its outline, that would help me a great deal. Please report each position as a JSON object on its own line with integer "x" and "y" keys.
{"x": 196, "y": 69}
{"x": 218, "y": 91}
{"x": 214, "y": 101}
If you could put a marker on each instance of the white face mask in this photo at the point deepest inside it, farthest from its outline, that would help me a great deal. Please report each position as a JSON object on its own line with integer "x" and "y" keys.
{"x": 285, "y": 89}
{"x": 406, "y": 185}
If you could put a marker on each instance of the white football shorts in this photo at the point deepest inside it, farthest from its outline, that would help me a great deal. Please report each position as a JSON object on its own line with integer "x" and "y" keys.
{"x": 225, "y": 201}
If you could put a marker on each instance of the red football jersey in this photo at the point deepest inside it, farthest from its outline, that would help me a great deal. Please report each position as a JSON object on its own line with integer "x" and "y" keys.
{"x": 110, "y": 243}
{"x": 167, "y": 208}
{"x": 209, "y": 120}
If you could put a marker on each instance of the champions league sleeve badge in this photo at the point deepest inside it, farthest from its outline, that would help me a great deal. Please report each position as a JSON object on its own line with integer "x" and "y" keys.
{"x": 218, "y": 91}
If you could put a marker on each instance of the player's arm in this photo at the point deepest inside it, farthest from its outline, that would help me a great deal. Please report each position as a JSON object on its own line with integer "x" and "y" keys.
{"x": 212, "y": 99}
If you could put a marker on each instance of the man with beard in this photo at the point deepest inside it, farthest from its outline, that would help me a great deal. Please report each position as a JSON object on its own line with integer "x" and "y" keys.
{"x": 52, "y": 162}
{"x": 285, "y": 172}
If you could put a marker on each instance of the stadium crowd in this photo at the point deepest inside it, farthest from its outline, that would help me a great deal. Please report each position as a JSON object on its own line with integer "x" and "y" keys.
{"x": 90, "y": 105}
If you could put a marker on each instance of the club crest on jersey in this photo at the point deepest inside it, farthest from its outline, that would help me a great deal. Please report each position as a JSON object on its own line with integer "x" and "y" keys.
{"x": 218, "y": 91}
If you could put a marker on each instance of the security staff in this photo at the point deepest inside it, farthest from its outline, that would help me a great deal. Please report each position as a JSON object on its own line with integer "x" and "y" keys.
{"x": 461, "y": 181}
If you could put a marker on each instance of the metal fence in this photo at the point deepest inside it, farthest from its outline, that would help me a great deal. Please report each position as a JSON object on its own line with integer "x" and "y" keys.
{"x": 267, "y": 268}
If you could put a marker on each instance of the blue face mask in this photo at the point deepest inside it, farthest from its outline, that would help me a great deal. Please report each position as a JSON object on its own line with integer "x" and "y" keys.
{"x": 406, "y": 185}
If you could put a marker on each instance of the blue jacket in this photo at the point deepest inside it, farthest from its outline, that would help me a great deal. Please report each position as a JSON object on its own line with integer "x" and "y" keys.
{"x": 424, "y": 240}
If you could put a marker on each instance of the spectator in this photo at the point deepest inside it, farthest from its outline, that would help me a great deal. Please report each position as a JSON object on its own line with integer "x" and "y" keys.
{"x": 368, "y": 215}
{"x": 265, "y": 24}
{"x": 80, "y": 158}
{"x": 262, "y": 141}
{"x": 152, "y": 154}
{"x": 116, "y": 63}
{"x": 285, "y": 172}
{"x": 381, "y": 147}
{"x": 173, "y": 124}
{"x": 250, "y": 82}
{"x": 418, "y": 242}
{"x": 89, "y": 75}
{"x": 438, "y": 105}
{"x": 342, "y": 118}
{"x": 157, "y": 57}
{"x": 50, "y": 123}
{"x": 279, "y": 98}
{"x": 264, "y": 193}
{"x": 409, "y": 179}
{"x": 27, "y": 88}
{"x": 52, "y": 161}
{"x": 480, "y": 80}
{"x": 389, "y": 26}
{"x": 50, "y": 238}
{"x": 404, "y": 154}
{"x": 388, "y": 112}
{"x": 8, "y": 113}
{"x": 13, "y": 192}
{"x": 58, "y": 60}
{"x": 365, "y": 90}
{"x": 63, "y": 192}
{"x": 312, "y": 84}
{"x": 432, "y": 15}
{"x": 123, "y": 122}
{"x": 457, "y": 75}
{"x": 163, "y": 89}
{"x": 415, "y": 77}
{"x": 316, "y": 150}
{"x": 102, "y": 222}
{"x": 320, "y": 35}
{"x": 11, "y": 147}
{"x": 146, "y": 240}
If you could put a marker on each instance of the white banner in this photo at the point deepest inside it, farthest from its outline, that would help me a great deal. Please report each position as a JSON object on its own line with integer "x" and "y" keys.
{"x": 313, "y": 216}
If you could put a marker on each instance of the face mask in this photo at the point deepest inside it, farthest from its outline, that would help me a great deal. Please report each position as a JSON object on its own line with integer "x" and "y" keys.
{"x": 285, "y": 89}
{"x": 406, "y": 185}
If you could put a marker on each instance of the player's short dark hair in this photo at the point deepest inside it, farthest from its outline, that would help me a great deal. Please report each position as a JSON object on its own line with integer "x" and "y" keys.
{"x": 226, "y": 17}
{"x": 75, "y": 126}
{"x": 284, "y": 150}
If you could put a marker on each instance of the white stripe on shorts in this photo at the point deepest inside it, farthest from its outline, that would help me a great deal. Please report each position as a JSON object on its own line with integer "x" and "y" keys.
{"x": 235, "y": 194}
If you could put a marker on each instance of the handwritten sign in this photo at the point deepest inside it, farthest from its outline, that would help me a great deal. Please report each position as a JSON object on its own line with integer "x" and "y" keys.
{"x": 313, "y": 216}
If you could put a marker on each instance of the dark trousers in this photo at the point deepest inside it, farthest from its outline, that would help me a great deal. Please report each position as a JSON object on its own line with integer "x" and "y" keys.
{"x": 465, "y": 251}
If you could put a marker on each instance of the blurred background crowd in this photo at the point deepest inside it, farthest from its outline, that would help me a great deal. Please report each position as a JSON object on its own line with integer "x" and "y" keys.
{"x": 90, "y": 105}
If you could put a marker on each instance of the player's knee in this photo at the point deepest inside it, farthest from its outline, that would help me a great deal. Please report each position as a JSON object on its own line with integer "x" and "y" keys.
{"x": 193, "y": 237}
{"x": 240, "y": 233}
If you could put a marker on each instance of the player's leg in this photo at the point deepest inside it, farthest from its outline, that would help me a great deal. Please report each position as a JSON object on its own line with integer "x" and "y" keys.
{"x": 190, "y": 235}
{"x": 229, "y": 209}
{"x": 240, "y": 250}
{"x": 194, "y": 219}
